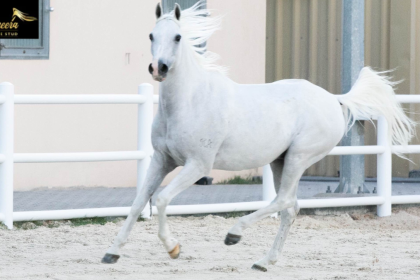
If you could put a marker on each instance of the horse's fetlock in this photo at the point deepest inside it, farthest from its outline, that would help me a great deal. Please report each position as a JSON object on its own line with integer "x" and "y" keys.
{"x": 162, "y": 236}
{"x": 242, "y": 222}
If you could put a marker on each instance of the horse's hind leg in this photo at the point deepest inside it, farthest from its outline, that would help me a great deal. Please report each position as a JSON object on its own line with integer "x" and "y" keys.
{"x": 294, "y": 166}
{"x": 297, "y": 159}
{"x": 301, "y": 154}
{"x": 287, "y": 218}
{"x": 159, "y": 168}
{"x": 277, "y": 169}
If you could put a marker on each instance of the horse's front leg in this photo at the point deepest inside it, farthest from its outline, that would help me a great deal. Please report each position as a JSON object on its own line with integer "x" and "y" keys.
{"x": 288, "y": 216}
{"x": 190, "y": 174}
{"x": 160, "y": 166}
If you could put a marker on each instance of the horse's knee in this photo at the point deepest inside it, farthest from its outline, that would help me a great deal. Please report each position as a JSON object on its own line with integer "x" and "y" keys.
{"x": 161, "y": 202}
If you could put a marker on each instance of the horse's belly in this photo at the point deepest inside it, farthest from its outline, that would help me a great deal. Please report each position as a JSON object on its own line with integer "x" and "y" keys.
{"x": 240, "y": 154}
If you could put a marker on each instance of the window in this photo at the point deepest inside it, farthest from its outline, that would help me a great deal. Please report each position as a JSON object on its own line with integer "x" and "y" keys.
{"x": 168, "y": 5}
{"x": 30, "y": 48}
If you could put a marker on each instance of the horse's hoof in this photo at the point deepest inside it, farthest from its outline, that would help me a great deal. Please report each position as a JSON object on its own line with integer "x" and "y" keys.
{"x": 110, "y": 258}
{"x": 232, "y": 239}
{"x": 259, "y": 268}
{"x": 174, "y": 254}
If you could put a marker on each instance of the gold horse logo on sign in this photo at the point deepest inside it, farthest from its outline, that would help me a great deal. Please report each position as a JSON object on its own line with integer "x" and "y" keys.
{"x": 22, "y": 16}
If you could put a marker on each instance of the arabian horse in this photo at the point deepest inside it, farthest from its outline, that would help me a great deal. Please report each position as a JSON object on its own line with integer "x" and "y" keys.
{"x": 206, "y": 121}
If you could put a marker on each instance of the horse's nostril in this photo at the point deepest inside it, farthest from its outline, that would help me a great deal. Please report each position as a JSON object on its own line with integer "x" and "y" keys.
{"x": 150, "y": 68}
{"x": 163, "y": 68}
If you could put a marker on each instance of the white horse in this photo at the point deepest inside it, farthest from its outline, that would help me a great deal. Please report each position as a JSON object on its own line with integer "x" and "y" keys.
{"x": 205, "y": 121}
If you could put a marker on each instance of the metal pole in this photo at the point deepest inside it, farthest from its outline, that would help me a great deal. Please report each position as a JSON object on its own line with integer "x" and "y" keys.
{"x": 384, "y": 169}
{"x": 144, "y": 138}
{"x": 6, "y": 149}
{"x": 352, "y": 168}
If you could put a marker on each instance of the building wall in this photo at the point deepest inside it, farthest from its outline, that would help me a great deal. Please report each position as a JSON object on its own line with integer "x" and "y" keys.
{"x": 304, "y": 41}
{"x": 89, "y": 45}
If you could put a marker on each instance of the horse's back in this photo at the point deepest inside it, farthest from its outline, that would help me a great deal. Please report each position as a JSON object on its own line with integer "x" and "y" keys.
{"x": 301, "y": 93}
{"x": 268, "y": 118}
{"x": 319, "y": 108}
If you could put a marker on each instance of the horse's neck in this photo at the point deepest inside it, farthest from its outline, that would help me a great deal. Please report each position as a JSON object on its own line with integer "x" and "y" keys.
{"x": 179, "y": 89}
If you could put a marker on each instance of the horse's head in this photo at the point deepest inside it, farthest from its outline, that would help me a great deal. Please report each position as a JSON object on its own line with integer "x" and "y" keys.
{"x": 165, "y": 39}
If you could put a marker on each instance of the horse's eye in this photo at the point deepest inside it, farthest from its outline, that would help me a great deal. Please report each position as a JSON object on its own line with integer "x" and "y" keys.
{"x": 151, "y": 36}
{"x": 178, "y": 38}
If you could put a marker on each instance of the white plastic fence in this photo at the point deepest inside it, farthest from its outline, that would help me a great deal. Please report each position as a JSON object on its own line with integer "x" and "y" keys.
{"x": 145, "y": 100}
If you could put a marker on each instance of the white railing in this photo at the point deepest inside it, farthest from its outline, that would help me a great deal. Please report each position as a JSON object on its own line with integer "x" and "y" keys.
{"x": 145, "y": 100}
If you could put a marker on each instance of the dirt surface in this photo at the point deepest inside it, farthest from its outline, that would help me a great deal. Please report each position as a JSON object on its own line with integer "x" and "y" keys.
{"x": 359, "y": 246}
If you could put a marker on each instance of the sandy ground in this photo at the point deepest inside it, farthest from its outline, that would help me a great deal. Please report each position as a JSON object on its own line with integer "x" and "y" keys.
{"x": 319, "y": 247}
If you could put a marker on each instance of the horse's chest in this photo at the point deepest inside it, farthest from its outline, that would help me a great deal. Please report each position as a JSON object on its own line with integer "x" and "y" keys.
{"x": 171, "y": 146}
{"x": 183, "y": 144}
{"x": 193, "y": 133}
{"x": 177, "y": 153}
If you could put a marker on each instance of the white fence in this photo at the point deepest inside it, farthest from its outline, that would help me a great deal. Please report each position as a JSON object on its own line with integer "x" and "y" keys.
{"x": 145, "y": 100}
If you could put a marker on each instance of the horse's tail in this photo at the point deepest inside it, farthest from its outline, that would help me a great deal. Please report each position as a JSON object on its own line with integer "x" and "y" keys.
{"x": 373, "y": 95}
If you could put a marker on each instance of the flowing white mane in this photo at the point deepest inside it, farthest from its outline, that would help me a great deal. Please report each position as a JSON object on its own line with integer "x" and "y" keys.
{"x": 197, "y": 27}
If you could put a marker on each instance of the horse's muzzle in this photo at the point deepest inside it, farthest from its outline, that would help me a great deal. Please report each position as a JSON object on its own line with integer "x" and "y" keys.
{"x": 158, "y": 73}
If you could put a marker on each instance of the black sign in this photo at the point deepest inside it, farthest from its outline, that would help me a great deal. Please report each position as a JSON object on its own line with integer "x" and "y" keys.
{"x": 19, "y": 19}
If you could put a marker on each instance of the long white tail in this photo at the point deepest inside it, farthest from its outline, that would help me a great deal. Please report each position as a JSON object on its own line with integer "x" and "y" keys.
{"x": 373, "y": 95}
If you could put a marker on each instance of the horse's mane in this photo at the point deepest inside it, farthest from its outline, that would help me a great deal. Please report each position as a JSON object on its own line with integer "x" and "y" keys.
{"x": 197, "y": 27}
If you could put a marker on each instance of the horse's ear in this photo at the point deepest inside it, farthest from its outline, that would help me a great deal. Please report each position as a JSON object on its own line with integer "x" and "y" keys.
{"x": 177, "y": 11}
{"x": 158, "y": 11}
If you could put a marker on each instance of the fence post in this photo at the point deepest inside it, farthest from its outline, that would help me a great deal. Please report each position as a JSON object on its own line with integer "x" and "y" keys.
{"x": 6, "y": 149}
{"x": 384, "y": 165}
{"x": 144, "y": 138}
{"x": 268, "y": 190}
